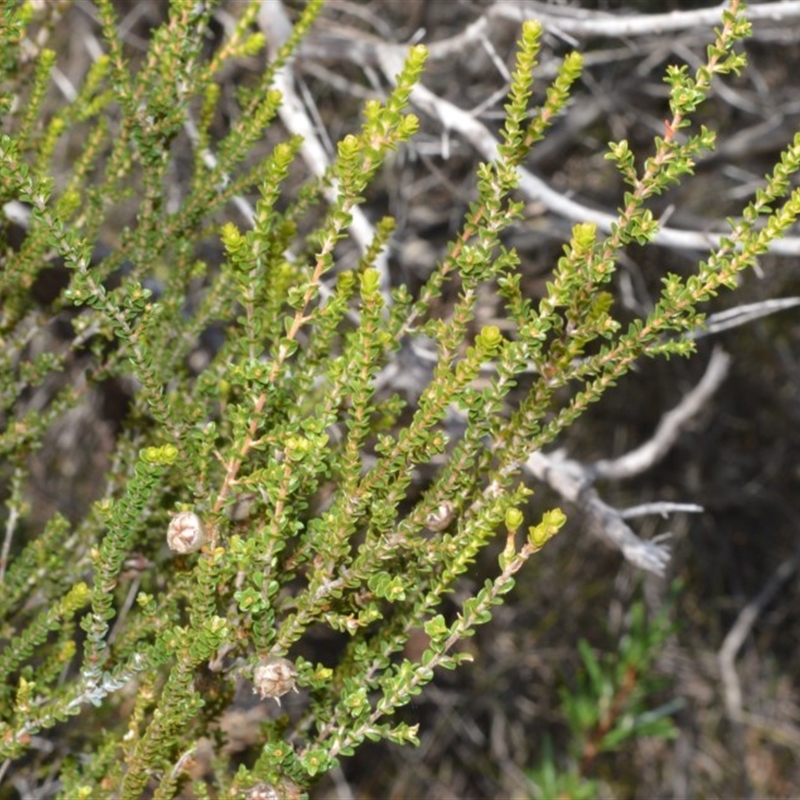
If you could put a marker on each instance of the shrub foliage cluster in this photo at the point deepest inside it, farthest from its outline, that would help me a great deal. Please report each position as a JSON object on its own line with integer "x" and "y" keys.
{"x": 255, "y": 433}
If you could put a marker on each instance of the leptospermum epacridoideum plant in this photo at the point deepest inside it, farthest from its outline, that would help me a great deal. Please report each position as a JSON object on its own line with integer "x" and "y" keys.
{"x": 268, "y": 492}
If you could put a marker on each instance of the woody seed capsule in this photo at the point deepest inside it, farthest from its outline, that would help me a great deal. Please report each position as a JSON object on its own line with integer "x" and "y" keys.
{"x": 274, "y": 677}
{"x": 441, "y": 517}
{"x": 263, "y": 791}
{"x": 186, "y": 533}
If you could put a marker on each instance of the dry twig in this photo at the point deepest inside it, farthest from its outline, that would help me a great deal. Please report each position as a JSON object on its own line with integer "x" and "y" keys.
{"x": 573, "y": 480}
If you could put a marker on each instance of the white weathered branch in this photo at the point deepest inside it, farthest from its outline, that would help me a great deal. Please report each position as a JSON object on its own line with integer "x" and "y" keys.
{"x": 275, "y": 25}
{"x": 669, "y": 428}
{"x": 534, "y": 188}
{"x": 360, "y": 48}
{"x": 738, "y": 634}
{"x": 571, "y": 480}
{"x": 742, "y": 314}
{"x": 574, "y": 480}
{"x": 595, "y": 23}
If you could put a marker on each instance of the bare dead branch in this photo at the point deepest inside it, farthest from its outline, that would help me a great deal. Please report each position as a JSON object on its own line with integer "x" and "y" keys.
{"x": 360, "y": 48}
{"x": 663, "y": 509}
{"x": 534, "y": 188}
{"x": 741, "y": 630}
{"x": 742, "y": 314}
{"x": 593, "y": 23}
{"x": 340, "y": 41}
{"x": 572, "y": 481}
{"x": 669, "y": 428}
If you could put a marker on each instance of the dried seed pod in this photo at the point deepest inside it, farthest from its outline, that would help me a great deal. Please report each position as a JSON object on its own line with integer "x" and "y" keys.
{"x": 274, "y": 677}
{"x": 186, "y": 533}
{"x": 284, "y": 790}
{"x": 441, "y": 517}
{"x": 263, "y": 791}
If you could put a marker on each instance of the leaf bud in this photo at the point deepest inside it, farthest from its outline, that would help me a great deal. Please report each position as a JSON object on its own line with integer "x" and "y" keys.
{"x": 514, "y": 518}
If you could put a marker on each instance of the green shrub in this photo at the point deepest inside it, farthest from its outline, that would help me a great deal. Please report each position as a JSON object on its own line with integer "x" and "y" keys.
{"x": 304, "y": 548}
{"x": 606, "y": 705}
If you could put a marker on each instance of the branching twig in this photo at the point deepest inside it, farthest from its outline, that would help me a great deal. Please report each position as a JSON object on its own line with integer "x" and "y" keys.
{"x": 742, "y": 314}
{"x": 593, "y": 23}
{"x": 662, "y": 508}
{"x": 573, "y": 480}
{"x": 534, "y": 188}
{"x": 364, "y": 50}
{"x": 672, "y": 423}
{"x": 565, "y": 21}
{"x": 741, "y": 630}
